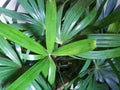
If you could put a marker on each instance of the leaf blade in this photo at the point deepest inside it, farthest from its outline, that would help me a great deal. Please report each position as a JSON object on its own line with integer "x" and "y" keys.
{"x": 9, "y": 51}
{"x": 6, "y": 72}
{"x": 103, "y": 54}
{"x": 17, "y": 37}
{"x": 4, "y": 62}
{"x": 26, "y": 79}
{"x": 114, "y": 27}
{"x": 106, "y": 40}
{"x": 32, "y": 7}
{"x": 59, "y": 19}
{"x": 76, "y": 47}
{"x": 52, "y": 71}
{"x": 50, "y": 28}
{"x": 72, "y": 16}
{"x": 32, "y": 57}
{"x": 84, "y": 23}
{"x": 15, "y": 15}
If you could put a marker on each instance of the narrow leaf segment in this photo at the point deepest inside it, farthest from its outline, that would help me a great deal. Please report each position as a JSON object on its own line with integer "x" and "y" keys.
{"x": 50, "y": 24}
{"x": 103, "y": 54}
{"x": 76, "y": 47}
{"x": 26, "y": 79}
{"x": 106, "y": 40}
{"x": 9, "y": 51}
{"x": 18, "y": 37}
{"x": 52, "y": 71}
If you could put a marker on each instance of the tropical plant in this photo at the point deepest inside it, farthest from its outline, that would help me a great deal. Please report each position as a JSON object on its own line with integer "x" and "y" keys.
{"x": 76, "y": 42}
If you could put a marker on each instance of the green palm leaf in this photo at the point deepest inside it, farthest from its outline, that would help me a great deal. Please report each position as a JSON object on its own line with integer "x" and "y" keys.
{"x": 84, "y": 23}
{"x": 9, "y": 51}
{"x": 16, "y": 15}
{"x": 114, "y": 27}
{"x": 103, "y": 54}
{"x": 34, "y": 9}
{"x": 26, "y": 79}
{"x": 72, "y": 16}
{"x": 86, "y": 65}
{"x": 106, "y": 40}
{"x": 4, "y": 62}
{"x": 21, "y": 39}
{"x": 7, "y": 68}
{"x": 6, "y": 72}
{"x": 52, "y": 71}
{"x": 43, "y": 83}
{"x": 59, "y": 21}
{"x": 76, "y": 47}
{"x": 50, "y": 24}
{"x": 32, "y": 57}
{"x": 34, "y": 16}
{"x": 34, "y": 85}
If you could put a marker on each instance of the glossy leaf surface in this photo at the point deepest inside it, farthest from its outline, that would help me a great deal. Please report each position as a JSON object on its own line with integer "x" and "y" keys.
{"x": 26, "y": 79}
{"x": 103, "y": 54}
{"x": 72, "y": 16}
{"x": 21, "y": 39}
{"x": 35, "y": 9}
{"x": 106, "y": 40}
{"x": 52, "y": 71}
{"x": 59, "y": 25}
{"x": 50, "y": 24}
{"x": 15, "y": 15}
{"x": 84, "y": 23}
{"x": 114, "y": 27}
{"x": 32, "y": 57}
{"x": 6, "y": 72}
{"x": 76, "y": 47}
{"x": 4, "y": 62}
{"x": 9, "y": 51}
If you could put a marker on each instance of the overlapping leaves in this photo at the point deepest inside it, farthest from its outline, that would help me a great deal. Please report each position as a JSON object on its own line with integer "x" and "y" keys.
{"x": 18, "y": 37}
{"x": 67, "y": 30}
{"x": 67, "y": 27}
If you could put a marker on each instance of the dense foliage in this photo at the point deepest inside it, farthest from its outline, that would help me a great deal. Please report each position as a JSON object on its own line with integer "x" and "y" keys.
{"x": 60, "y": 43}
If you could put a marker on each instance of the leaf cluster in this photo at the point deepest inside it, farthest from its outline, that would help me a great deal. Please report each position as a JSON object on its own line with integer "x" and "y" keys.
{"x": 74, "y": 42}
